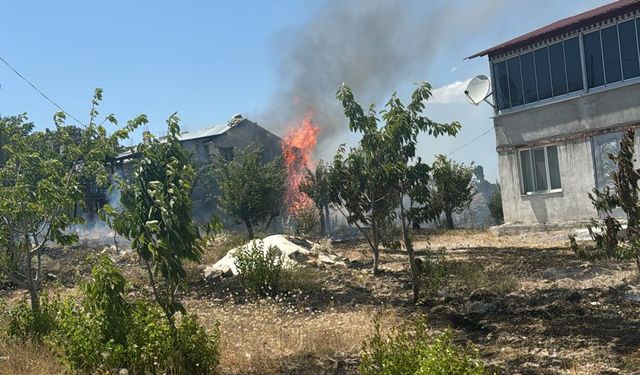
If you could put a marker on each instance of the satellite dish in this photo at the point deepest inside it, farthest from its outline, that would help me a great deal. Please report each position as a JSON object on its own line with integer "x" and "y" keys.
{"x": 478, "y": 90}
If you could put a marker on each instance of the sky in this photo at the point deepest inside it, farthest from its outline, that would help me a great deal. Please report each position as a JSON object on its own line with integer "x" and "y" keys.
{"x": 209, "y": 60}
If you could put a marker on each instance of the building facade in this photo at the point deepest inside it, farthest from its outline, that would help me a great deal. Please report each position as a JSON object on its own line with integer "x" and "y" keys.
{"x": 204, "y": 145}
{"x": 562, "y": 95}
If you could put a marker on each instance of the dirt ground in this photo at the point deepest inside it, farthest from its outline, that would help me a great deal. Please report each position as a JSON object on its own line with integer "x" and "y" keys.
{"x": 524, "y": 301}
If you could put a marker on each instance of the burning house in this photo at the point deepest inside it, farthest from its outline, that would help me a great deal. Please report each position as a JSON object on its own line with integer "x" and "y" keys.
{"x": 233, "y": 137}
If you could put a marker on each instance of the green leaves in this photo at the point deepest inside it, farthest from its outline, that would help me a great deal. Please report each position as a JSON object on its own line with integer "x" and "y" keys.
{"x": 156, "y": 214}
{"x": 453, "y": 188}
{"x": 44, "y": 177}
{"x": 250, "y": 192}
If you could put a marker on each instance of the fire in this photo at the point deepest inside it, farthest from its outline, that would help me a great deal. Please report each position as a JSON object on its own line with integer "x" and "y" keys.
{"x": 297, "y": 149}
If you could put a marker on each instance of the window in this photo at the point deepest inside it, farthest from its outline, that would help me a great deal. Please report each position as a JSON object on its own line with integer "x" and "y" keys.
{"x": 573, "y": 64}
{"x": 227, "y": 153}
{"x": 558, "y": 71}
{"x": 611, "y": 53}
{"x": 540, "y": 170}
{"x": 543, "y": 73}
{"x": 593, "y": 59}
{"x": 515, "y": 81}
{"x": 629, "y": 49}
{"x": 604, "y": 145}
{"x": 608, "y": 55}
{"x": 529, "y": 85}
{"x": 502, "y": 85}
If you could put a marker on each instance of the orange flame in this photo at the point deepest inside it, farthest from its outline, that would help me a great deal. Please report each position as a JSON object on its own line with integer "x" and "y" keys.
{"x": 297, "y": 150}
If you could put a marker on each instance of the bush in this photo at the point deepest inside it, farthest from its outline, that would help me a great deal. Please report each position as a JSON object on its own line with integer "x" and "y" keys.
{"x": 24, "y": 324}
{"x": 105, "y": 331}
{"x": 495, "y": 206}
{"x": 433, "y": 274}
{"x": 200, "y": 351}
{"x": 152, "y": 350}
{"x": 93, "y": 334}
{"x": 307, "y": 220}
{"x": 260, "y": 271}
{"x": 413, "y": 350}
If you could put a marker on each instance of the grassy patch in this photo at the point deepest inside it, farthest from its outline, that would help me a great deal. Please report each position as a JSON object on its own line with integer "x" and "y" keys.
{"x": 263, "y": 336}
{"x": 473, "y": 276}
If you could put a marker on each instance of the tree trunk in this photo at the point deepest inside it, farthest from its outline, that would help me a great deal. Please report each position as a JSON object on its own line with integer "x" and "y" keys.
{"x": 408, "y": 244}
{"x": 266, "y": 227}
{"x": 327, "y": 219}
{"x": 31, "y": 283}
{"x": 249, "y": 228}
{"x": 638, "y": 266}
{"x": 322, "y": 223}
{"x": 449, "y": 216}
{"x": 376, "y": 260}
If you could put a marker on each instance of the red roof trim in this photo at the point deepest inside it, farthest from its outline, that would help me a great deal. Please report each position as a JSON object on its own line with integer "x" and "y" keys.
{"x": 565, "y": 25}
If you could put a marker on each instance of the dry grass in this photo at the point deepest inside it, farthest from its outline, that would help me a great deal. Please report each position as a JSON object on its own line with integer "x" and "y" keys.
{"x": 475, "y": 238}
{"x": 260, "y": 337}
{"x": 17, "y": 358}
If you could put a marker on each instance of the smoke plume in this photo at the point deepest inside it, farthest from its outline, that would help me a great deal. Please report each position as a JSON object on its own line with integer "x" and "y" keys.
{"x": 374, "y": 46}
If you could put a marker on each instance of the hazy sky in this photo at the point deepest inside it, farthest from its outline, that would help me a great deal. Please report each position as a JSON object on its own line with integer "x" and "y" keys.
{"x": 209, "y": 60}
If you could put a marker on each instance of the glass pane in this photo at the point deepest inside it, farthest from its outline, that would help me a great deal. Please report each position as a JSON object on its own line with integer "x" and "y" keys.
{"x": 502, "y": 85}
{"x": 611, "y": 52}
{"x": 554, "y": 168}
{"x": 527, "y": 173}
{"x": 629, "y": 49}
{"x": 573, "y": 64}
{"x": 558, "y": 73}
{"x": 515, "y": 81}
{"x": 543, "y": 73}
{"x": 605, "y": 145}
{"x": 593, "y": 59}
{"x": 529, "y": 77}
{"x": 540, "y": 169}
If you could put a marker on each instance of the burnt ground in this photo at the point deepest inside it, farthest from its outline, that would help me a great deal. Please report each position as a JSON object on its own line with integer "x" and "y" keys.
{"x": 525, "y": 302}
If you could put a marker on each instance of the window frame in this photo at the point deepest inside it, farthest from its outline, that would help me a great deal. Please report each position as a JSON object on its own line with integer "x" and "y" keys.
{"x": 521, "y": 171}
{"x": 585, "y": 88}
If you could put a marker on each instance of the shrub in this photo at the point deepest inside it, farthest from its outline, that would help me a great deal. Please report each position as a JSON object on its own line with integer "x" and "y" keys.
{"x": 24, "y": 324}
{"x": 495, "y": 206}
{"x": 151, "y": 349}
{"x": 105, "y": 331}
{"x": 260, "y": 271}
{"x": 81, "y": 340}
{"x": 200, "y": 351}
{"x": 93, "y": 335}
{"x": 307, "y": 220}
{"x": 413, "y": 350}
{"x": 433, "y": 274}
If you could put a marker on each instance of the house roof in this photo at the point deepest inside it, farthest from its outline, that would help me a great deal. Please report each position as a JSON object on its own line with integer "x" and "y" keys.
{"x": 196, "y": 134}
{"x": 559, "y": 27}
{"x": 210, "y": 132}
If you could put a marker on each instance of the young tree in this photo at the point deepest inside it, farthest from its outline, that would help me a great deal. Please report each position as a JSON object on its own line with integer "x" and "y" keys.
{"x": 495, "y": 205}
{"x": 399, "y": 171}
{"x": 317, "y": 186}
{"x": 156, "y": 216}
{"x": 453, "y": 186}
{"x": 250, "y": 192}
{"x": 361, "y": 192}
{"x": 625, "y": 195}
{"x": 42, "y": 179}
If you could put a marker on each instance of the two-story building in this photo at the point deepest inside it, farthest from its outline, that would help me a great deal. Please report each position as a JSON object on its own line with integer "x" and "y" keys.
{"x": 226, "y": 140}
{"x": 562, "y": 95}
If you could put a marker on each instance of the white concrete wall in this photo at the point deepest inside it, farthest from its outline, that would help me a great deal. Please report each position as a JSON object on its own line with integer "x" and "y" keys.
{"x": 593, "y": 111}
{"x": 571, "y": 204}
{"x": 573, "y": 119}
{"x": 577, "y": 173}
